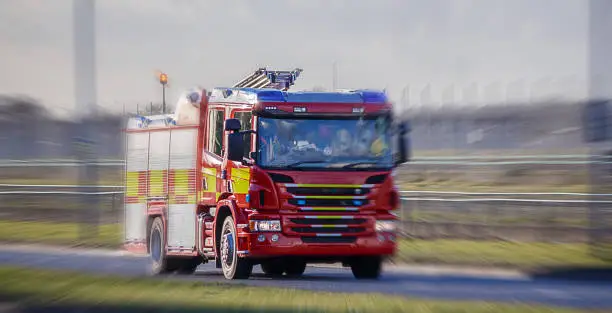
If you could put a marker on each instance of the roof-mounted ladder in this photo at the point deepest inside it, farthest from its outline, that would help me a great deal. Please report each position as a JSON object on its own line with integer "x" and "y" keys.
{"x": 264, "y": 78}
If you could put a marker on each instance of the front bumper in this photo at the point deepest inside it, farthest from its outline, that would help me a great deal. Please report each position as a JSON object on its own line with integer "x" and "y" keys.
{"x": 381, "y": 244}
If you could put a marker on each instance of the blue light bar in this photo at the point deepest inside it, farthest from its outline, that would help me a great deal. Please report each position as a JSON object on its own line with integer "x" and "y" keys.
{"x": 270, "y": 96}
{"x": 372, "y": 96}
{"x": 324, "y": 97}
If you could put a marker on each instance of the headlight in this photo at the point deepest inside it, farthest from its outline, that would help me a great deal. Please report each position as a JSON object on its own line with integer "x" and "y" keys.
{"x": 386, "y": 226}
{"x": 270, "y": 225}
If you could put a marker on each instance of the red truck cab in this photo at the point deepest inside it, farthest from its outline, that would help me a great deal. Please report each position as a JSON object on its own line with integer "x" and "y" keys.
{"x": 307, "y": 178}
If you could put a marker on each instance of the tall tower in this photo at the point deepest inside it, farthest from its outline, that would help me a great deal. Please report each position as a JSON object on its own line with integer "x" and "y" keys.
{"x": 600, "y": 49}
{"x": 85, "y": 103}
{"x": 84, "y": 23}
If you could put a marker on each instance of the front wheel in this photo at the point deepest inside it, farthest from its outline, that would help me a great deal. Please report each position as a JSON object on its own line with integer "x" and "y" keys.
{"x": 366, "y": 267}
{"x": 295, "y": 268}
{"x": 272, "y": 268}
{"x": 233, "y": 266}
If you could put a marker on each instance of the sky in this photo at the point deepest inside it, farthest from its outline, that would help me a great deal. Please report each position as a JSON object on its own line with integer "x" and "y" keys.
{"x": 396, "y": 45}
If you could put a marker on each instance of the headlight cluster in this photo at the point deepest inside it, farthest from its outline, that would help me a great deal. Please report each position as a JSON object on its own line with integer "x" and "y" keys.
{"x": 267, "y": 225}
{"x": 386, "y": 226}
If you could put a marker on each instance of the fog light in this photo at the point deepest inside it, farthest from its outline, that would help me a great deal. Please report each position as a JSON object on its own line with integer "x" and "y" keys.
{"x": 261, "y": 238}
{"x": 275, "y": 238}
{"x": 386, "y": 226}
{"x": 381, "y": 238}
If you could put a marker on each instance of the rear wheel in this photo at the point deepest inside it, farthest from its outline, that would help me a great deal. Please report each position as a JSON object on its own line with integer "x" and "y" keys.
{"x": 366, "y": 267}
{"x": 161, "y": 264}
{"x": 233, "y": 266}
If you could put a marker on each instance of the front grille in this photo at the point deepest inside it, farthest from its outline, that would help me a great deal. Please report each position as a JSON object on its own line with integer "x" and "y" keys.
{"x": 343, "y": 239}
{"x": 328, "y": 221}
{"x": 328, "y": 191}
{"x": 327, "y": 230}
{"x": 328, "y": 202}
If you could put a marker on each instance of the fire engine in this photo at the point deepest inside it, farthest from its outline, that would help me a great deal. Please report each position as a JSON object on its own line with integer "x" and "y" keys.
{"x": 255, "y": 174}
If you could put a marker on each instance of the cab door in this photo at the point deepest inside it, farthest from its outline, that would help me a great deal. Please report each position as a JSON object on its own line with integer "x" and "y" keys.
{"x": 239, "y": 174}
{"x": 212, "y": 157}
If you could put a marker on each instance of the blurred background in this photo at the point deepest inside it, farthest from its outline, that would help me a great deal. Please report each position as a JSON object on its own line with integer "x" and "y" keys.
{"x": 495, "y": 91}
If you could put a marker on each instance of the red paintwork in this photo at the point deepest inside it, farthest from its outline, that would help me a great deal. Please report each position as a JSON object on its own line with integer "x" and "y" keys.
{"x": 137, "y": 248}
{"x": 293, "y": 246}
{"x": 383, "y": 197}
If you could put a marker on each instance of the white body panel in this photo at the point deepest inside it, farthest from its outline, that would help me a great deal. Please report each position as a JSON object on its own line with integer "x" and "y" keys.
{"x": 137, "y": 147}
{"x": 182, "y": 217}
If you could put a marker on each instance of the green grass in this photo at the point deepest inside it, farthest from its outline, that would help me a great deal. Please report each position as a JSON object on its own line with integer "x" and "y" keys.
{"x": 38, "y": 288}
{"x": 56, "y": 233}
{"x": 57, "y": 181}
{"x": 522, "y": 255}
{"x": 456, "y": 252}
{"x": 431, "y": 216}
{"x": 466, "y": 186}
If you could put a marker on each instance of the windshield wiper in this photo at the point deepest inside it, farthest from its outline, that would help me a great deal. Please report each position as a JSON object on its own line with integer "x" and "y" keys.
{"x": 305, "y": 162}
{"x": 360, "y": 163}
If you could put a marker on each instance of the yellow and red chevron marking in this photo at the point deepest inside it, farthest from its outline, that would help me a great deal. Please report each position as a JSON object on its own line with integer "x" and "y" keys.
{"x": 136, "y": 187}
{"x": 182, "y": 186}
{"x": 158, "y": 183}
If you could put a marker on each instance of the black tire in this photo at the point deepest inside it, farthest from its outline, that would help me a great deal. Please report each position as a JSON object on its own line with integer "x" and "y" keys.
{"x": 233, "y": 266}
{"x": 295, "y": 268}
{"x": 161, "y": 264}
{"x": 366, "y": 267}
{"x": 272, "y": 268}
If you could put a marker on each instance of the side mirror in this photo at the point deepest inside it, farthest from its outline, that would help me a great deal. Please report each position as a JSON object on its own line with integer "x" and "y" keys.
{"x": 403, "y": 143}
{"x": 235, "y": 146}
{"x": 232, "y": 124}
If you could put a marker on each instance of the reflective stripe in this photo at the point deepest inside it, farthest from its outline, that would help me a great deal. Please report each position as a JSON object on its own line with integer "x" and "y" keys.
{"x": 328, "y": 209}
{"x": 331, "y": 197}
{"x": 158, "y": 180}
{"x": 136, "y": 187}
{"x": 240, "y": 178}
{"x": 329, "y": 226}
{"x": 210, "y": 175}
{"x": 329, "y": 216}
{"x": 329, "y": 185}
{"x": 182, "y": 186}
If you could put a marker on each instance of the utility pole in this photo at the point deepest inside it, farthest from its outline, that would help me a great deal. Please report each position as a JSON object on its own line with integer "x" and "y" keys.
{"x": 335, "y": 76}
{"x": 163, "y": 80}
{"x": 599, "y": 94}
{"x": 84, "y": 30}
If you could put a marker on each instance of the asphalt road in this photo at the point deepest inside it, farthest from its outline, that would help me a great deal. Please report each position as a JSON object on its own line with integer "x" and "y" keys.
{"x": 410, "y": 281}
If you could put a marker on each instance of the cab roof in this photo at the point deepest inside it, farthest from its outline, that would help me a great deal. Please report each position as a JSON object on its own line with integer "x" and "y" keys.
{"x": 254, "y": 96}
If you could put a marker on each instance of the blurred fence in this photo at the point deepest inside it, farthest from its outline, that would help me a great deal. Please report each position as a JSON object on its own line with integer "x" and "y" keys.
{"x": 517, "y": 171}
{"x": 429, "y": 214}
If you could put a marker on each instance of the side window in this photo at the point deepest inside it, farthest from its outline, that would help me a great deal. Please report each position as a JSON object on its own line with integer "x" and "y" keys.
{"x": 215, "y": 142}
{"x": 245, "y": 122}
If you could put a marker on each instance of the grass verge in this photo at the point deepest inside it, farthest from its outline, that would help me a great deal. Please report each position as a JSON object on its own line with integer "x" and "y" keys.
{"x": 521, "y": 255}
{"x": 453, "y": 252}
{"x": 57, "y": 233}
{"x": 72, "y": 291}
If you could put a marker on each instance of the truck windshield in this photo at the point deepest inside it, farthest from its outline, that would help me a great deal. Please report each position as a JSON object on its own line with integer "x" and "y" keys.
{"x": 324, "y": 143}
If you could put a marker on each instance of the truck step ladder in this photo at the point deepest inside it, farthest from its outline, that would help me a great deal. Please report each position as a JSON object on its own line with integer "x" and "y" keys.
{"x": 264, "y": 78}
